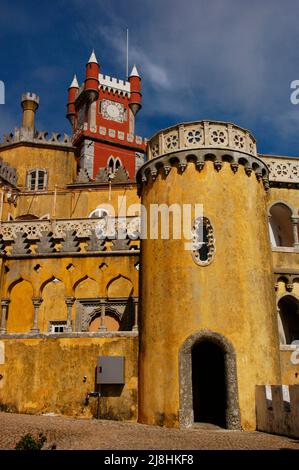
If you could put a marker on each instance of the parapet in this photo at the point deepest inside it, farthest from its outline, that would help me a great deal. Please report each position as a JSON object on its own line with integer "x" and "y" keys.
{"x": 8, "y": 173}
{"x": 30, "y": 97}
{"x": 277, "y": 410}
{"x": 32, "y": 136}
{"x": 201, "y": 134}
{"x": 199, "y": 141}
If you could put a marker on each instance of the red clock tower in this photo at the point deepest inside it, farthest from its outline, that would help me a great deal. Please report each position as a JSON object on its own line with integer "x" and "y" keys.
{"x": 102, "y": 114}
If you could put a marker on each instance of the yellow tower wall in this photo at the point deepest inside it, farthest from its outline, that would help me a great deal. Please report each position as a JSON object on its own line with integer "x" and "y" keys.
{"x": 233, "y": 296}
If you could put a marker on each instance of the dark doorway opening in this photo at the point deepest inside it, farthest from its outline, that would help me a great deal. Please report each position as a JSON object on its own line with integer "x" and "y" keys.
{"x": 209, "y": 383}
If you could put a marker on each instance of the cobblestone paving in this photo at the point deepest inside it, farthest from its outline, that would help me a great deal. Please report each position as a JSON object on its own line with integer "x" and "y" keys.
{"x": 72, "y": 433}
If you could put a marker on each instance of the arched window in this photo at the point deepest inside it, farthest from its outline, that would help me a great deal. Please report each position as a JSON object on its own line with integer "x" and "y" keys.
{"x": 280, "y": 225}
{"x": 37, "y": 180}
{"x": 203, "y": 241}
{"x": 113, "y": 164}
{"x": 288, "y": 307}
{"x": 98, "y": 213}
{"x": 117, "y": 164}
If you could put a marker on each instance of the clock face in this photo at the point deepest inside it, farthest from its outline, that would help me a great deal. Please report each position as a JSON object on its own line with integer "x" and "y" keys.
{"x": 112, "y": 110}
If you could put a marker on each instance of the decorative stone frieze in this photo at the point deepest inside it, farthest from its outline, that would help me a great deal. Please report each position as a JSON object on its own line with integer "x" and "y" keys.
{"x": 36, "y": 237}
{"x": 282, "y": 171}
{"x": 180, "y": 159}
{"x": 201, "y": 134}
{"x": 198, "y": 142}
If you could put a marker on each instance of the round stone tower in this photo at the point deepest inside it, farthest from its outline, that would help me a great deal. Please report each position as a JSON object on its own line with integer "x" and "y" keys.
{"x": 208, "y": 319}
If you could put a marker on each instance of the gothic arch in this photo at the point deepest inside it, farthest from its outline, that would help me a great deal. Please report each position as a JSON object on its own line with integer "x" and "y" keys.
{"x": 186, "y": 414}
{"x": 280, "y": 224}
{"x": 119, "y": 284}
{"x": 15, "y": 282}
{"x": 81, "y": 279}
{"x": 288, "y": 318}
{"x": 46, "y": 282}
{"x": 282, "y": 203}
{"x": 91, "y": 287}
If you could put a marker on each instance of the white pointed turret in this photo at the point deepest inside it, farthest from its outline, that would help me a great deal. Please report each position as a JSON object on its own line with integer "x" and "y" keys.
{"x": 92, "y": 58}
{"x": 74, "y": 83}
{"x": 134, "y": 72}
{"x": 135, "y": 90}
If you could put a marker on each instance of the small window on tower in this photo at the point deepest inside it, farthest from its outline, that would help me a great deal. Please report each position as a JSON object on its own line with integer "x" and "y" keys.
{"x": 113, "y": 165}
{"x": 203, "y": 241}
{"x": 37, "y": 180}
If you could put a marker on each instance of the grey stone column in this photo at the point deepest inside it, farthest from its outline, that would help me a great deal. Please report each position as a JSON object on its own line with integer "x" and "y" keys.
{"x": 295, "y": 221}
{"x": 102, "y": 326}
{"x": 4, "y": 305}
{"x": 36, "y": 303}
{"x": 135, "y": 326}
{"x": 69, "y": 303}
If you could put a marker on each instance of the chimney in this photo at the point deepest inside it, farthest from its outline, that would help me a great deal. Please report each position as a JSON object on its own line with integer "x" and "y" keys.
{"x": 30, "y": 102}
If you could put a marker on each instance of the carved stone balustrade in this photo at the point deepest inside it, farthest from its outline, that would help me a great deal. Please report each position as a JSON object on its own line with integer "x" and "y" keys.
{"x": 69, "y": 236}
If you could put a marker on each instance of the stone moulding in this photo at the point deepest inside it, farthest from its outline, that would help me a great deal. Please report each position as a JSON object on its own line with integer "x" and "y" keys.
{"x": 180, "y": 159}
{"x": 186, "y": 414}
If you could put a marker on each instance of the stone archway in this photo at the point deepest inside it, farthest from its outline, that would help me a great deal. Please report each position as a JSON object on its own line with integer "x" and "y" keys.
{"x": 186, "y": 412}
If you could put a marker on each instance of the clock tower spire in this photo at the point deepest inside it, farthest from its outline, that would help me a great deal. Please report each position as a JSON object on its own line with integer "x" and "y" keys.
{"x": 103, "y": 118}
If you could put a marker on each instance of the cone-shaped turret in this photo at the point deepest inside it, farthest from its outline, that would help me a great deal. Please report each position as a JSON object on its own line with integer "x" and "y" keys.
{"x": 73, "y": 88}
{"x": 91, "y": 85}
{"x": 135, "y": 93}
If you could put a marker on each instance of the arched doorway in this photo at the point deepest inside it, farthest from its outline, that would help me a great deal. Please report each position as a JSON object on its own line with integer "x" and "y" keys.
{"x": 208, "y": 383}
{"x": 288, "y": 308}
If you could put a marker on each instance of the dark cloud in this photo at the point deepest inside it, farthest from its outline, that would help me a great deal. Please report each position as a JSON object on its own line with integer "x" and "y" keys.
{"x": 223, "y": 60}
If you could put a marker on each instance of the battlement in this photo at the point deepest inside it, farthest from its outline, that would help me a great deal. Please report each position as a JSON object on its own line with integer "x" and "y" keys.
{"x": 110, "y": 82}
{"x": 277, "y": 410}
{"x": 30, "y": 97}
{"x": 30, "y": 135}
{"x": 8, "y": 173}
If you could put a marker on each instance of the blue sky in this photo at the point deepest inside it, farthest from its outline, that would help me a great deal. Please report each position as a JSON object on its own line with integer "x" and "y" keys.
{"x": 230, "y": 60}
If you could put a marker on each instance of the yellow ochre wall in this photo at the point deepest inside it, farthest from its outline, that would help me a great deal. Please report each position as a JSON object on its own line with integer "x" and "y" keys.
{"x": 80, "y": 277}
{"x": 233, "y": 296}
{"x": 47, "y": 375}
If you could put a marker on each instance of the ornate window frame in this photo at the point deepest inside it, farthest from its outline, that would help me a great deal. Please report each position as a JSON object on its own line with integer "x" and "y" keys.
{"x": 197, "y": 244}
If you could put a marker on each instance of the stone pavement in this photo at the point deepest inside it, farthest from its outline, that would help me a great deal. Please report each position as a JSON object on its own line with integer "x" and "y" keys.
{"x": 73, "y": 433}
